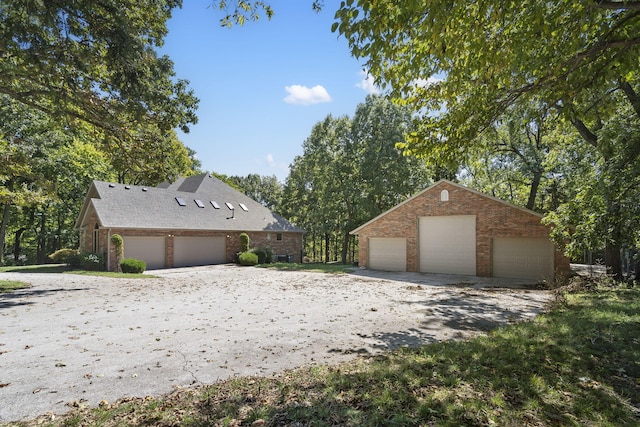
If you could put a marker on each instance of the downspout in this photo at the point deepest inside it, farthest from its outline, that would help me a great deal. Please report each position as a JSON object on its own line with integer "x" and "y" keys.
{"x": 109, "y": 250}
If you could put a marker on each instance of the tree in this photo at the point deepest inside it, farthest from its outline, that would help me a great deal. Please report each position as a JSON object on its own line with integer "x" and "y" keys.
{"x": 461, "y": 66}
{"x": 351, "y": 171}
{"x": 266, "y": 190}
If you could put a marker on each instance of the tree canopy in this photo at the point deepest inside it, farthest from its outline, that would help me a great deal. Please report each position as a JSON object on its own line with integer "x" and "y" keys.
{"x": 461, "y": 65}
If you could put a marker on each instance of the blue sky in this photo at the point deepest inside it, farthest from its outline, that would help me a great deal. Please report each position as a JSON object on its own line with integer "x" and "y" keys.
{"x": 262, "y": 86}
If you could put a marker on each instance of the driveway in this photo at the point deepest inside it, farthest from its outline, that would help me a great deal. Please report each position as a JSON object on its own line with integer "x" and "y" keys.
{"x": 72, "y": 339}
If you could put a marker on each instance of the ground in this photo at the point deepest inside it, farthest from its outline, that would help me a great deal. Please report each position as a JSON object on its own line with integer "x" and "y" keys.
{"x": 73, "y": 340}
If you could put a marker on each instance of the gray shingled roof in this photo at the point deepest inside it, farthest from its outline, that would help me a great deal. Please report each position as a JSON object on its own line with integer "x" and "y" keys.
{"x": 120, "y": 206}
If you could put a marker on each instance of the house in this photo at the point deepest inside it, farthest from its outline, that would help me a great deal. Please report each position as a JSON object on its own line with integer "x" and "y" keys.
{"x": 193, "y": 221}
{"x": 451, "y": 229}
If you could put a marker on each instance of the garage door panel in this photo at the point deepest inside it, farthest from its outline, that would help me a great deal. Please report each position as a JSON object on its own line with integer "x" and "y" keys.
{"x": 388, "y": 253}
{"x": 191, "y": 251}
{"x": 150, "y": 249}
{"x": 448, "y": 244}
{"x": 522, "y": 258}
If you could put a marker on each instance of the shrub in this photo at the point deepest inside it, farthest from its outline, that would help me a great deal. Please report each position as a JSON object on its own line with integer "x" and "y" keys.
{"x": 132, "y": 265}
{"x": 92, "y": 262}
{"x": 248, "y": 258}
{"x": 244, "y": 242}
{"x": 66, "y": 256}
{"x": 265, "y": 254}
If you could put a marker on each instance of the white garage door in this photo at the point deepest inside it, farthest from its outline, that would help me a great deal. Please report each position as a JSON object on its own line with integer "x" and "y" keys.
{"x": 448, "y": 244}
{"x": 388, "y": 253}
{"x": 149, "y": 249}
{"x": 522, "y": 258}
{"x": 189, "y": 251}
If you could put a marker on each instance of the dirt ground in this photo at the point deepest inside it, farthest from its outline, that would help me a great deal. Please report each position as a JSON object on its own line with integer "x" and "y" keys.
{"x": 72, "y": 339}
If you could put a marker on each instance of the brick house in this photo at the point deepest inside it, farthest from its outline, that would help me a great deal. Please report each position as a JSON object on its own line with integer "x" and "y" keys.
{"x": 193, "y": 221}
{"x": 451, "y": 229}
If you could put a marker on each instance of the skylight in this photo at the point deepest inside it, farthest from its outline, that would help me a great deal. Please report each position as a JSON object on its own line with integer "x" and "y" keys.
{"x": 199, "y": 203}
{"x": 181, "y": 201}
{"x": 229, "y": 205}
{"x": 244, "y": 207}
{"x": 215, "y": 204}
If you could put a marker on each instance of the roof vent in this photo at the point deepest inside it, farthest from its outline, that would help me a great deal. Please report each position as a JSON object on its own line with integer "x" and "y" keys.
{"x": 112, "y": 185}
{"x": 144, "y": 188}
{"x": 127, "y": 187}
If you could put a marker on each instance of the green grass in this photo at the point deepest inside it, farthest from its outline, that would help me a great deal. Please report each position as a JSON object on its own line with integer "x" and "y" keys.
{"x": 7, "y": 286}
{"x": 42, "y": 268}
{"x": 577, "y": 365}
{"x": 317, "y": 267}
{"x": 64, "y": 268}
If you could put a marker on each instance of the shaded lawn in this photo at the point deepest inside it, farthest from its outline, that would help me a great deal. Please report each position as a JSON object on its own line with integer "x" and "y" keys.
{"x": 317, "y": 267}
{"x": 64, "y": 268}
{"x": 577, "y": 365}
{"x": 7, "y": 286}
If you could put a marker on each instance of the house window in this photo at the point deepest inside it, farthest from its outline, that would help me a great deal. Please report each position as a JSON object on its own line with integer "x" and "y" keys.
{"x": 278, "y": 236}
{"x": 96, "y": 236}
{"x": 444, "y": 196}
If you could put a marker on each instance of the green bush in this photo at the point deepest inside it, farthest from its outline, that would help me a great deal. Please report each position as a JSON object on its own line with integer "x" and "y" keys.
{"x": 92, "y": 262}
{"x": 66, "y": 256}
{"x": 248, "y": 258}
{"x": 244, "y": 242}
{"x": 265, "y": 254}
{"x": 132, "y": 265}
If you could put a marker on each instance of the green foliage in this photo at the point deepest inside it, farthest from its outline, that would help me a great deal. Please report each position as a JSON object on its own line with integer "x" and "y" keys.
{"x": 132, "y": 265}
{"x": 66, "y": 256}
{"x": 92, "y": 262}
{"x": 350, "y": 172}
{"x": 118, "y": 243}
{"x": 264, "y": 253}
{"x": 248, "y": 258}
{"x": 266, "y": 190}
{"x": 245, "y": 242}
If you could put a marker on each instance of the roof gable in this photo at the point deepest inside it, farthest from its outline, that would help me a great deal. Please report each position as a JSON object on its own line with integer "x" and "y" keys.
{"x": 132, "y": 206}
{"x": 433, "y": 187}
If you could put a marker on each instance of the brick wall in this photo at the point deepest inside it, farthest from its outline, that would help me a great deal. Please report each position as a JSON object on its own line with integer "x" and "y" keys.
{"x": 493, "y": 219}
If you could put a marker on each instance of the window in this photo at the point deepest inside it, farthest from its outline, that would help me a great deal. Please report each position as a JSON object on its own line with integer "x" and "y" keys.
{"x": 444, "y": 196}
{"x": 278, "y": 236}
{"x": 215, "y": 204}
{"x": 96, "y": 237}
{"x": 229, "y": 205}
{"x": 181, "y": 201}
{"x": 199, "y": 203}
{"x": 244, "y": 208}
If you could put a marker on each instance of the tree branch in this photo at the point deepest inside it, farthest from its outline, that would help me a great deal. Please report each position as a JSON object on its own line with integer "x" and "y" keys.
{"x": 584, "y": 131}
{"x": 619, "y": 5}
{"x": 631, "y": 94}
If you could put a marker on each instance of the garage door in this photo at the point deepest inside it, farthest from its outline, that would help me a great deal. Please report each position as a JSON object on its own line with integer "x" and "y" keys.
{"x": 522, "y": 258}
{"x": 448, "y": 244}
{"x": 388, "y": 253}
{"x": 189, "y": 251}
{"x": 149, "y": 249}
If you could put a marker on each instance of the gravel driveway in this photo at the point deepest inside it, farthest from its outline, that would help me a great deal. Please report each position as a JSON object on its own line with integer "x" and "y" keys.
{"x": 72, "y": 339}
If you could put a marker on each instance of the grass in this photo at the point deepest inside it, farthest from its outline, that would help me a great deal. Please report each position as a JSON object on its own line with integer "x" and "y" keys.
{"x": 64, "y": 268}
{"x": 7, "y": 286}
{"x": 577, "y": 365}
{"x": 317, "y": 267}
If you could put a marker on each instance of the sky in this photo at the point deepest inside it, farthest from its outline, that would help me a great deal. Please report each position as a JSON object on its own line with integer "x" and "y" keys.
{"x": 264, "y": 85}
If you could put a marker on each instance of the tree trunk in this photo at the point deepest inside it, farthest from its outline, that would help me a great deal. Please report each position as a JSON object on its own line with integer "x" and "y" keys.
{"x": 42, "y": 239}
{"x": 3, "y": 230}
{"x": 17, "y": 249}
{"x": 533, "y": 190}
{"x": 345, "y": 246}
{"x": 327, "y": 244}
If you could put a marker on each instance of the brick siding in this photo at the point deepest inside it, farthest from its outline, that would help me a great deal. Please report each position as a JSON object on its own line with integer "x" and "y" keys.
{"x": 494, "y": 219}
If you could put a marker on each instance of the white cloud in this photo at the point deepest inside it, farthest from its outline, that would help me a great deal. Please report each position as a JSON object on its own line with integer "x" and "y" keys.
{"x": 368, "y": 84}
{"x": 426, "y": 82}
{"x": 302, "y": 95}
{"x": 270, "y": 161}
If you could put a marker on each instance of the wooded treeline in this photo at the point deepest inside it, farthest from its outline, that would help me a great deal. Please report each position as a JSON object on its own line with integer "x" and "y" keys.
{"x": 533, "y": 102}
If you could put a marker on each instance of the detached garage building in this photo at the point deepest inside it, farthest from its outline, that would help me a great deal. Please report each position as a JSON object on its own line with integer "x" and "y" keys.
{"x": 451, "y": 229}
{"x": 193, "y": 221}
